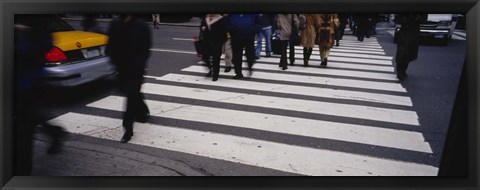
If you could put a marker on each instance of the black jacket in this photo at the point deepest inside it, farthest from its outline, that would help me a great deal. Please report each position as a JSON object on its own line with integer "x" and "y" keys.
{"x": 129, "y": 47}
{"x": 217, "y": 33}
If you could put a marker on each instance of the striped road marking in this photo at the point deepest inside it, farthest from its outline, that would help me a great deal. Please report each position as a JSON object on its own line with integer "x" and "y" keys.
{"x": 372, "y": 99}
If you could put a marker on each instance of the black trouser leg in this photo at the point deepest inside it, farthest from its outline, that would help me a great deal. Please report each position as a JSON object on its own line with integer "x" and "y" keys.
{"x": 216, "y": 54}
{"x": 136, "y": 107}
{"x": 283, "y": 58}
{"x": 291, "y": 53}
{"x": 250, "y": 51}
{"x": 237, "y": 55}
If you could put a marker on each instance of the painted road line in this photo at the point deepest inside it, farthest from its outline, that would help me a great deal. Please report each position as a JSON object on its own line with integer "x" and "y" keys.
{"x": 317, "y": 70}
{"x": 390, "y": 138}
{"x": 291, "y": 89}
{"x": 278, "y": 156}
{"x": 308, "y": 106}
{"x": 173, "y": 51}
{"x": 339, "y": 65}
{"x": 342, "y": 59}
{"x": 386, "y": 86}
{"x": 184, "y": 39}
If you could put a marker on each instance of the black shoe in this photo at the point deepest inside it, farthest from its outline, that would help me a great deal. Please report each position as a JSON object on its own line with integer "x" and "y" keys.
{"x": 284, "y": 68}
{"x": 250, "y": 71}
{"x": 126, "y": 137}
{"x": 257, "y": 58}
{"x": 268, "y": 55}
{"x": 209, "y": 74}
{"x": 214, "y": 78}
{"x": 238, "y": 76}
{"x": 228, "y": 69}
{"x": 337, "y": 44}
{"x": 305, "y": 63}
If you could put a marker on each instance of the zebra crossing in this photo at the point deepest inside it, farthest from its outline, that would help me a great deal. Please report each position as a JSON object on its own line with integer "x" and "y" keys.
{"x": 350, "y": 119}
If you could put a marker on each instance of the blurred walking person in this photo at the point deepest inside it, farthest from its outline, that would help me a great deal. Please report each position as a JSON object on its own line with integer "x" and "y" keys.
{"x": 285, "y": 28}
{"x": 129, "y": 49}
{"x": 363, "y": 26}
{"x": 243, "y": 28}
{"x": 325, "y": 27}
{"x": 156, "y": 21}
{"x": 308, "y": 36}
{"x": 266, "y": 32}
{"x": 407, "y": 41}
{"x": 215, "y": 35}
{"x": 31, "y": 44}
{"x": 343, "y": 21}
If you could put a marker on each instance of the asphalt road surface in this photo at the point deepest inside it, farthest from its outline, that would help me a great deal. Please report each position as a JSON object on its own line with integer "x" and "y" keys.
{"x": 352, "y": 118}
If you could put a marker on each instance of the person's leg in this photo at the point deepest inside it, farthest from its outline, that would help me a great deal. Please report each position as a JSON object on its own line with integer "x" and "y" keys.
{"x": 268, "y": 41}
{"x": 258, "y": 47}
{"x": 305, "y": 56}
{"x": 322, "y": 56}
{"x": 237, "y": 53}
{"x": 250, "y": 52}
{"x": 228, "y": 55}
{"x": 291, "y": 53}
{"x": 326, "y": 54}
{"x": 216, "y": 54}
{"x": 283, "y": 58}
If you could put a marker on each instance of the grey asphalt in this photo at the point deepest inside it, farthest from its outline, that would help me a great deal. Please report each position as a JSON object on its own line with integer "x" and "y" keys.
{"x": 431, "y": 84}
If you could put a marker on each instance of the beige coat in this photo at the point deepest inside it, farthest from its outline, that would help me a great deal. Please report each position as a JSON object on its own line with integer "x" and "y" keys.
{"x": 284, "y": 25}
{"x": 327, "y": 23}
{"x": 309, "y": 33}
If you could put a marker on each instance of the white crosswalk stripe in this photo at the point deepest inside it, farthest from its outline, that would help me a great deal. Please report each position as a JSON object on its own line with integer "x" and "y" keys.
{"x": 359, "y": 85}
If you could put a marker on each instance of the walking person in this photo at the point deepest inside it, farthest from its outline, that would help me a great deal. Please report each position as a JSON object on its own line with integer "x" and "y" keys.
{"x": 363, "y": 27}
{"x": 156, "y": 21}
{"x": 285, "y": 28}
{"x": 242, "y": 28}
{"x": 215, "y": 34}
{"x": 407, "y": 41}
{"x": 31, "y": 44}
{"x": 343, "y": 21}
{"x": 266, "y": 32}
{"x": 227, "y": 51}
{"x": 325, "y": 27}
{"x": 129, "y": 49}
{"x": 308, "y": 36}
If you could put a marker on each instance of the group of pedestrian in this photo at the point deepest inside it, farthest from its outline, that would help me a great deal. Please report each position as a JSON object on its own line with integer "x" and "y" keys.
{"x": 239, "y": 31}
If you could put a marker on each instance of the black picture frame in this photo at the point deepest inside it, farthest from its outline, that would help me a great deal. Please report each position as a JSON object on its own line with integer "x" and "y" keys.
{"x": 10, "y": 7}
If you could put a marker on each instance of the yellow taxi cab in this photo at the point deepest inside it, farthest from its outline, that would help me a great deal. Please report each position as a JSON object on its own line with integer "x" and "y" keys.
{"x": 77, "y": 57}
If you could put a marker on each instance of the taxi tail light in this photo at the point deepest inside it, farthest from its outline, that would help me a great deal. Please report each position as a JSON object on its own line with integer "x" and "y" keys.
{"x": 55, "y": 56}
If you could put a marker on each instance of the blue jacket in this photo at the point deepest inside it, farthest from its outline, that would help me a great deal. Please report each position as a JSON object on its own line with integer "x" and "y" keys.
{"x": 244, "y": 26}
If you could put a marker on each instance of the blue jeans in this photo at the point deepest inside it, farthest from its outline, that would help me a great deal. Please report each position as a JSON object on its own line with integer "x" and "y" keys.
{"x": 267, "y": 33}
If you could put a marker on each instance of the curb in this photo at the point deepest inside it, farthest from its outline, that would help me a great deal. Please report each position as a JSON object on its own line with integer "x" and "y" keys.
{"x": 161, "y": 23}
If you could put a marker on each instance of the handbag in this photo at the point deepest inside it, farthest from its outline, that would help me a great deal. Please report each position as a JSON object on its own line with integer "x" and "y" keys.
{"x": 201, "y": 46}
{"x": 295, "y": 38}
{"x": 275, "y": 43}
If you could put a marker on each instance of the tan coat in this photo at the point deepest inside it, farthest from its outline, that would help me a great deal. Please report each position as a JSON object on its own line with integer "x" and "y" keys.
{"x": 309, "y": 33}
{"x": 327, "y": 23}
{"x": 284, "y": 25}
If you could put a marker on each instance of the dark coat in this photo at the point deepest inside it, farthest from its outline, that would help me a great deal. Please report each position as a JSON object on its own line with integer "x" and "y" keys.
{"x": 129, "y": 47}
{"x": 244, "y": 26}
{"x": 217, "y": 33}
{"x": 30, "y": 47}
{"x": 409, "y": 36}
